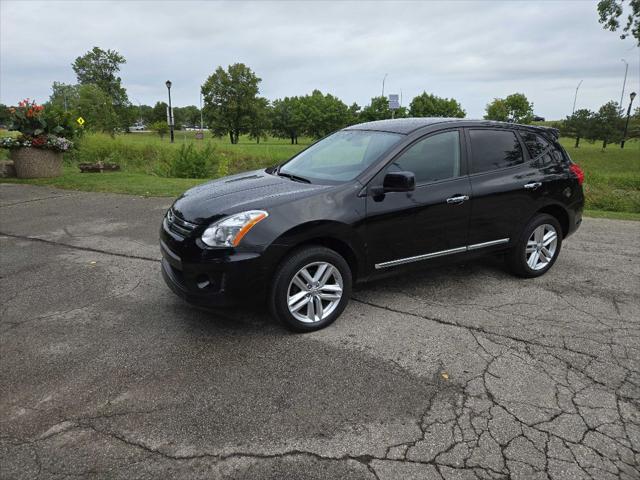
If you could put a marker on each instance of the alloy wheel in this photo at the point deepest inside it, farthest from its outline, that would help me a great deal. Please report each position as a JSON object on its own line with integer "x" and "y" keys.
{"x": 314, "y": 292}
{"x": 541, "y": 246}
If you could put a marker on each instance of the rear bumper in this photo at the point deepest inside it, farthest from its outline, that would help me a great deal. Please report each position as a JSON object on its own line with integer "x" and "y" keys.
{"x": 575, "y": 216}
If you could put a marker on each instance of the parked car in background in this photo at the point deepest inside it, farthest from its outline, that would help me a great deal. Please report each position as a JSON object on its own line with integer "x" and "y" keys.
{"x": 366, "y": 200}
{"x": 137, "y": 127}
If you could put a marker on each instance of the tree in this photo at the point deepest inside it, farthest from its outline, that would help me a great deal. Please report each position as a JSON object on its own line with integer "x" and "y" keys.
{"x": 354, "y": 113}
{"x": 64, "y": 95}
{"x": 323, "y": 114}
{"x": 230, "y": 98}
{"x": 5, "y": 115}
{"x": 428, "y": 105}
{"x": 100, "y": 68}
{"x": 379, "y": 109}
{"x": 607, "y": 124}
{"x": 189, "y": 115}
{"x": 515, "y": 108}
{"x": 610, "y": 12}
{"x": 260, "y": 121}
{"x": 95, "y": 107}
{"x": 287, "y": 118}
{"x": 578, "y": 125}
{"x": 143, "y": 113}
{"x": 161, "y": 128}
{"x": 159, "y": 112}
{"x": 634, "y": 124}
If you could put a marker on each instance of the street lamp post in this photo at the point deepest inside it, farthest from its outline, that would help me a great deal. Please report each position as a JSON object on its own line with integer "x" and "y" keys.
{"x": 168, "y": 84}
{"x": 626, "y": 125}
{"x": 575, "y": 98}
{"x": 201, "y": 121}
{"x": 624, "y": 83}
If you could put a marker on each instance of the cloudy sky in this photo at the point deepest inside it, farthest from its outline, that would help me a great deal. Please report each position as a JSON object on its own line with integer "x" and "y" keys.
{"x": 471, "y": 50}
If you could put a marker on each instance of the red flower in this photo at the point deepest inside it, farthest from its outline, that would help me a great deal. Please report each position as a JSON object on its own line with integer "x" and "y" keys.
{"x": 39, "y": 141}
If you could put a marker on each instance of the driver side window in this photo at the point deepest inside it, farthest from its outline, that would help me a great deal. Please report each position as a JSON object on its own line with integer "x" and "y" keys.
{"x": 433, "y": 158}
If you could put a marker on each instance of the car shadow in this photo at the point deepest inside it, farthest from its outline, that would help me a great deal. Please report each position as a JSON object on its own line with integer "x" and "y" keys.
{"x": 256, "y": 317}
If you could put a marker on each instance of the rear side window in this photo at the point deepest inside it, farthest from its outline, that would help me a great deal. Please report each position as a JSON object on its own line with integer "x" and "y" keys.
{"x": 433, "y": 158}
{"x": 493, "y": 149}
{"x": 557, "y": 155}
{"x": 535, "y": 143}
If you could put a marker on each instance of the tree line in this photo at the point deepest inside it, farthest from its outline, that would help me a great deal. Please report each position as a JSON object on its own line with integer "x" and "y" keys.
{"x": 606, "y": 125}
{"x": 233, "y": 107}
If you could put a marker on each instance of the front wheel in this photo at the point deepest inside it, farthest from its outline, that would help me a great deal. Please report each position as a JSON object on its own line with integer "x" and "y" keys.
{"x": 311, "y": 288}
{"x": 537, "y": 248}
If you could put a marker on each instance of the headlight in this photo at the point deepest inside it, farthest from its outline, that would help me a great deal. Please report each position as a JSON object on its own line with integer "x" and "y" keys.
{"x": 229, "y": 231}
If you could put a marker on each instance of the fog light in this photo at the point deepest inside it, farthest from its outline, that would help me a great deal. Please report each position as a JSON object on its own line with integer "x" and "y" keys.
{"x": 202, "y": 281}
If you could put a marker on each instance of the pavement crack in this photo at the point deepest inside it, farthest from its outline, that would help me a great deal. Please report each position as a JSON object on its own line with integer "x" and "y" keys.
{"x": 76, "y": 247}
{"x": 467, "y": 327}
{"x": 52, "y": 197}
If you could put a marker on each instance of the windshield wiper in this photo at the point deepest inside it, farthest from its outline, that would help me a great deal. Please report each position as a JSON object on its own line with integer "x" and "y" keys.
{"x": 295, "y": 178}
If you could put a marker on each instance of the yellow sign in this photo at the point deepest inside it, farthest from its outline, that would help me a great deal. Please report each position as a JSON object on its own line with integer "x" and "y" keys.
{"x": 80, "y": 121}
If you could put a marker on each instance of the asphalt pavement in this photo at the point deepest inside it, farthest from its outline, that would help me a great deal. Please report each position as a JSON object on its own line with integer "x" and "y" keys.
{"x": 455, "y": 373}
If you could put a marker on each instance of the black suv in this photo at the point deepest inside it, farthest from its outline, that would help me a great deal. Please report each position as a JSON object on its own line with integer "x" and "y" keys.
{"x": 367, "y": 199}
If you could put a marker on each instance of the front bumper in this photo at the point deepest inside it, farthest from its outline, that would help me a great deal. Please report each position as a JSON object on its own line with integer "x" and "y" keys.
{"x": 224, "y": 281}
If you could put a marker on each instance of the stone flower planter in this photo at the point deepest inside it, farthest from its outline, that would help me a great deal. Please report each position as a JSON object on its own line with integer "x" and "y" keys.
{"x": 36, "y": 162}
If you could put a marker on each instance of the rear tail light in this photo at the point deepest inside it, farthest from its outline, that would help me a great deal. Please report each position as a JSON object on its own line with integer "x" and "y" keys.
{"x": 577, "y": 171}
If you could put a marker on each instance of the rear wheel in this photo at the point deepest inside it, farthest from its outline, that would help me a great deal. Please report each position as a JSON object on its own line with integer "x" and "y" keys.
{"x": 537, "y": 248}
{"x": 311, "y": 288}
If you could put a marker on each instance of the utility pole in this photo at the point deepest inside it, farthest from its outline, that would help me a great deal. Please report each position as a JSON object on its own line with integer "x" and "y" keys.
{"x": 383, "y": 79}
{"x": 575, "y": 98}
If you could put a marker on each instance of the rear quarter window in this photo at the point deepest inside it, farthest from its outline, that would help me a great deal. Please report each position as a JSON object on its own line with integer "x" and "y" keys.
{"x": 535, "y": 143}
{"x": 494, "y": 149}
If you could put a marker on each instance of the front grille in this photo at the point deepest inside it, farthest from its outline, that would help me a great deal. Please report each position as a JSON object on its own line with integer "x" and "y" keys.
{"x": 178, "y": 225}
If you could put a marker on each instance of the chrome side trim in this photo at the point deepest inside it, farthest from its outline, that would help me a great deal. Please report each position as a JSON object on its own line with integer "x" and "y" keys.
{"x": 476, "y": 246}
{"x": 400, "y": 261}
{"x": 441, "y": 253}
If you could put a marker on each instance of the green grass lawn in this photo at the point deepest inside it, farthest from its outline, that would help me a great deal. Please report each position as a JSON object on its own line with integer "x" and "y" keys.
{"x": 275, "y": 150}
{"x": 114, "y": 182}
{"x": 612, "y": 176}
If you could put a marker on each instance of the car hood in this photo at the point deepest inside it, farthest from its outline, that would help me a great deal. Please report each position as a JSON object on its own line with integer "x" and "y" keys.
{"x": 249, "y": 190}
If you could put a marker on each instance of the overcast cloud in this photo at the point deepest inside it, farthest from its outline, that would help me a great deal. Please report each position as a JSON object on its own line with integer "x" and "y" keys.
{"x": 471, "y": 50}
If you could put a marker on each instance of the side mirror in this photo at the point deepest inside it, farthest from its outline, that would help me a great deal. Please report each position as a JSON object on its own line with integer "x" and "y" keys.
{"x": 399, "y": 182}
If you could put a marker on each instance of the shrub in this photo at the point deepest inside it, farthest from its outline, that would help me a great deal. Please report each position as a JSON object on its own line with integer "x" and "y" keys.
{"x": 133, "y": 157}
{"x": 223, "y": 166}
{"x": 190, "y": 162}
{"x": 161, "y": 128}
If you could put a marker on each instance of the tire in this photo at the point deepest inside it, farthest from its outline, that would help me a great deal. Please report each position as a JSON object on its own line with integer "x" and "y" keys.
{"x": 520, "y": 260}
{"x": 289, "y": 280}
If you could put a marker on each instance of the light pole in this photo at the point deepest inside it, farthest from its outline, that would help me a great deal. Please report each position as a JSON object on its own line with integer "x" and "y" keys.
{"x": 624, "y": 83}
{"x": 626, "y": 125}
{"x": 383, "y": 79}
{"x": 201, "y": 122}
{"x": 575, "y": 98}
{"x": 168, "y": 84}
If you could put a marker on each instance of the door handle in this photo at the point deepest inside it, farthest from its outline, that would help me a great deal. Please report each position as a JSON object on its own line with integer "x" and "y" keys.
{"x": 532, "y": 185}
{"x": 457, "y": 199}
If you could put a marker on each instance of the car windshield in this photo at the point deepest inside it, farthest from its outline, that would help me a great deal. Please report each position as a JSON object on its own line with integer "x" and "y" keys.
{"x": 339, "y": 157}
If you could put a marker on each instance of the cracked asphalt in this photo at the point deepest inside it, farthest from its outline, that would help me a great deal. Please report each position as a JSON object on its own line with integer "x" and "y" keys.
{"x": 462, "y": 372}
